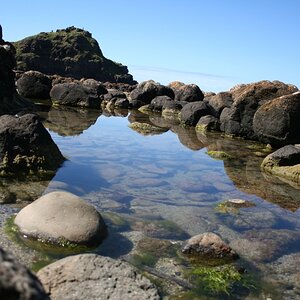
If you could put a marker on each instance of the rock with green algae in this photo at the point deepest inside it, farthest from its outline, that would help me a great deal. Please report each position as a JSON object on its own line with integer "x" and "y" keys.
{"x": 26, "y": 146}
{"x": 147, "y": 129}
{"x": 70, "y": 52}
{"x": 221, "y": 155}
{"x": 284, "y": 163}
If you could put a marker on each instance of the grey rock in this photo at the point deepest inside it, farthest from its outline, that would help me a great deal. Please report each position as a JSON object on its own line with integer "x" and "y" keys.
{"x": 61, "y": 216}
{"x": 17, "y": 282}
{"x": 90, "y": 276}
{"x": 186, "y": 92}
{"x": 208, "y": 122}
{"x": 218, "y": 102}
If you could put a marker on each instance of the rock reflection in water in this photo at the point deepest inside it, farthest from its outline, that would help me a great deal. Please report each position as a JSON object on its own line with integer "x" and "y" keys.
{"x": 69, "y": 121}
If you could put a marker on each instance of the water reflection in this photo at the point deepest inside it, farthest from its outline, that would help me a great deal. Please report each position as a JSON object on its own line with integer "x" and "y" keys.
{"x": 69, "y": 121}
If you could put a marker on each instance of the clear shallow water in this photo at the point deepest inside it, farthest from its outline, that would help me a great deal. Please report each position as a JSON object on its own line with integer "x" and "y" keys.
{"x": 170, "y": 176}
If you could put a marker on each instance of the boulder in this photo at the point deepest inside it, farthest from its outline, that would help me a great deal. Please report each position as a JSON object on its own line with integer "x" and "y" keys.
{"x": 17, "y": 282}
{"x": 218, "y": 102}
{"x": 277, "y": 122}
{"x": 91, "y": 276}
{"x": 75, "y": 94}
{"x": 60, "y": 217}
{"x": 247, "y": 98}
{"x": 26, "y": 146}
{"x": 207, "y": 123}
{"x": 192, "y": 112}
{"x": 70, "y": 52}
{"x": 186, "y": 92}
{"x": 34, "y": 85}
{"x": 208, "y": 245}
{"x": 172, "y": 108}
{"x": 158, "y": 102}
{"x": 285, "y": 163}
{"x": 97, "y": 86}
{"x": 148, "y": 90}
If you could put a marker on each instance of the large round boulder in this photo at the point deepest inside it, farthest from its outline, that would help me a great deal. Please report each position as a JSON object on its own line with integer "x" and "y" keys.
{"x": 218, "y": 102}
{"x": 192, "y": 112}
{"x": 60, "y": 217}
{"x": 186, "y": 92}
{"x": 75, "y": 94}
{"x": 26, "y": 146}
{"x": 278, "y": 121}
{"x": 91, "y": 276}
{"x": 148, "y": 90}
{"x": 17, "y": 282}
{"x": 34, "y": 85}
{"x": 247, "y": 98}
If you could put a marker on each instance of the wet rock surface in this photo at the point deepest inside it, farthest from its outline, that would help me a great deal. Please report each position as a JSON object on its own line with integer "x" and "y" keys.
{"x": 90, "y": 276}
{"x": 26, "y": 146}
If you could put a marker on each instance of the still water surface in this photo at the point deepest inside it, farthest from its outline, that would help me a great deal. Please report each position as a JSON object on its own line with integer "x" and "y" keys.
{"x": 168, "y": 175}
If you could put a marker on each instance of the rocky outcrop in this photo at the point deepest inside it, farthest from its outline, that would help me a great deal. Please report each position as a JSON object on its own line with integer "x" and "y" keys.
{"x": 247, "y": 98}
{"x": 70, "y": 52}
{"x": 277, "y": 122}
{"x": 285, "y": 163}
{"x": 26, "y": 146}
{"x": 90, "y": 276}
{"x": 17, "y": 282}
{"x": 34, "y": 85}
{"x": 10, "y": 101}
{"x": 61, "y": 217}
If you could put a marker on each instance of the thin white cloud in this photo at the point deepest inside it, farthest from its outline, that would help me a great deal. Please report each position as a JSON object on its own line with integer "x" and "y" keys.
{"x": 207, "y": 82}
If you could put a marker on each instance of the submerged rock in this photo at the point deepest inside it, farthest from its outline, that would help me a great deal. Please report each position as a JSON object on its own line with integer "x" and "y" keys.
{"x": 17, "y": 282}
{"x": 26, "y": 146}
{"x": 61, "y": 217}
{"x": 90, "y": 276}
{"x": 208, "y": 245}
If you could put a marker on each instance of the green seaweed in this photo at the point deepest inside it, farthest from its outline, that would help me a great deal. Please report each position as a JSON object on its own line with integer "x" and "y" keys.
{"x": 221, "y": 155}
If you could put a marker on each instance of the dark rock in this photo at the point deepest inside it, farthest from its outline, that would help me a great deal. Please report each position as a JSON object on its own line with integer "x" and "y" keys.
{"x": 97, "y": 86}
{"x": 277, "y": 122}
{"x": 148, "y": 90}
{"x": 218, "y": 102}
{"x": 238, "y": 119}
{"x": 114, "y": 95}
{"x": 75, "y": 94}
{"x": 34, "y": 85}
{"x": 10, "y": 101}
{"x": 77, "y": 278}
{"x": 70, "y": 52}
{"x": 208, "y": 245}
{"x": 158, "y": 102}
{"x": 192, "y": 112}
{"x": 26, "y": 145}
{"x": 17, "y": 282}
{"x": 208, "y": 123}
{"x": 122, "y": 103}
{"x": 186, "y": 92}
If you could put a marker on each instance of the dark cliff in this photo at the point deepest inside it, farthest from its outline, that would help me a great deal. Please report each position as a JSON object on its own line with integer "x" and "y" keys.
{"x": 70, "y": 52}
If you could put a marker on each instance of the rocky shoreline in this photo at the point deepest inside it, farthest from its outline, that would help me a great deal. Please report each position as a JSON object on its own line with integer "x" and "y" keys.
{"x": 264, "y": 111}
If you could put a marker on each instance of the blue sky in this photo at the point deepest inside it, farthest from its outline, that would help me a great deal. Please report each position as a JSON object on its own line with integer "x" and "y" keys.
{"x": 215, "y": 44}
